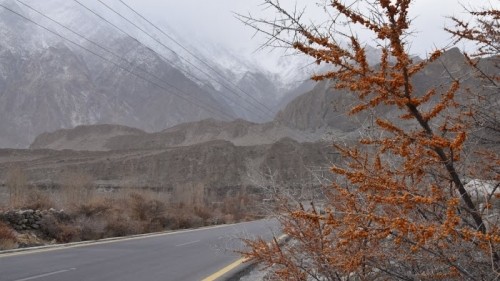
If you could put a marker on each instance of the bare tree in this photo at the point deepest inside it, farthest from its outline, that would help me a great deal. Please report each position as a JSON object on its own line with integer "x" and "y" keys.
{"x": 484, "y": 31}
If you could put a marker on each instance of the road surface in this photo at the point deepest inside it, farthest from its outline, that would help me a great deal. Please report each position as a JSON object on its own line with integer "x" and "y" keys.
{"x": 184, "y": 255}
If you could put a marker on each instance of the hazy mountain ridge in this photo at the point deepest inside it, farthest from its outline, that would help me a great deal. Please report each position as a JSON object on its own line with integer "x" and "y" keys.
{"x": 48, "y": 84}
{"x": 113, "y": 137}
{"x": 319, "y": 113}
{"x": 89, "y": 137}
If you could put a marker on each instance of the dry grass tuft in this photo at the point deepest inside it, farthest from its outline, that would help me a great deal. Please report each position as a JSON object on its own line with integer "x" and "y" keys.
{"x": 7, "y": 237}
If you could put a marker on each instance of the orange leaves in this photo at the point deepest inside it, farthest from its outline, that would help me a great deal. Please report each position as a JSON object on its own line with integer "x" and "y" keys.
{"x": 449, "y": 226}
{"x": 458, "y": 141}
{"x": 321, "y": 55}
{"x": 386, "y": 125}
{"x": 406, "y": 201}
{"x": 385, "y": 3}
{"x": 358, "y": 108}
{"x": 360, "y": 55}
{"x": 435, "y": 111}
{"x": 452, "y": 91}
{"x": 353, "y": 16}
{"x": 306, "y": 216}
{"x": 474, "y": 235}
{"x": 402, "y": 226}
{"x": 338, "y": 170}
{"x": 445, "y": 101}
{"x": 436, "y": 142}
{"x": 425, "y": 98}
{"x": 435, "y": 55}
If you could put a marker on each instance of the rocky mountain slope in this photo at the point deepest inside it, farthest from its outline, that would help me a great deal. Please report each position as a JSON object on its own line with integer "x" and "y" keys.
{"x": 325, "y": 109}
{"x": 47, "y": 83}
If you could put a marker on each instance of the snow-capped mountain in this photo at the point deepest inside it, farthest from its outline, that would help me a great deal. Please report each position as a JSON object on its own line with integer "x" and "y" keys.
{"x": 126, "y": 72}
{"x": 47, "y": 83}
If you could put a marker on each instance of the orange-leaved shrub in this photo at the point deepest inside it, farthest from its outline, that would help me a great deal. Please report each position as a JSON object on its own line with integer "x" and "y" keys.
{"x": 400, "y": 207}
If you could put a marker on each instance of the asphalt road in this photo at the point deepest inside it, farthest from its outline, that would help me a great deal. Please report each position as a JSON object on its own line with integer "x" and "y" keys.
{"x": 183, "y": 255}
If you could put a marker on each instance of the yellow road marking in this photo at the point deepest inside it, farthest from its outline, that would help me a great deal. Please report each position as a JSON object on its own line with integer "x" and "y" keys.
{"x": 232, "y": 266}
{"x": 283, "y": 236}
{"x": 225, "y": 270}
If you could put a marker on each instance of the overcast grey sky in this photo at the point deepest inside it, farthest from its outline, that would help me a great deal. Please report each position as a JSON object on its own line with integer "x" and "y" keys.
{"x": 214, "y": 20}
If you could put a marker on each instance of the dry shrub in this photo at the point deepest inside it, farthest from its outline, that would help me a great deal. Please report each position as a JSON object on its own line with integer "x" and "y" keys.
{"x": 123, "y": 226}
{"x": 154, "y": 226}
{"x": 203, "y": 212}
{"x": 237, "y": 207}
{"x": 49, "y": 226}
{"x": 183, "y": 222}
{"x": 90, "y": 215}
{"x": 191, "y": 195}
{"x": 146, "y": 209}
{"x": 77, "y": 188}
{"x": 37, "y": 199}
{"x": 228, "y": 218}
{"x": 68, "y": 233}
{"x": 7, "y": 237}
{"x": 29, "y": 240}
{"x": 94, "y": 207}
{"x": 59, "y": 227}
{"x": 92, "y": 228}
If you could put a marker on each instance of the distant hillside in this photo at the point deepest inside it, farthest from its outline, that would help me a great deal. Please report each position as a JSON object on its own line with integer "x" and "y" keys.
{"x": 217, "y": 166}
{"x": 113, "y": 137}
{"x": 85, "y": 137}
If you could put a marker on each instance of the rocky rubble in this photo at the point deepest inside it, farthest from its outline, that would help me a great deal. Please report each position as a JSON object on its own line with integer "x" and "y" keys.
{"x": 28, "y": 219}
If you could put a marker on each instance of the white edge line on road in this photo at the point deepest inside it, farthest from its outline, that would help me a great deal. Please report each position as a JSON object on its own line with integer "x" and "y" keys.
{"x": 46, "y": 274}
{"x": 188, "y": 243}
{"x": 49, "y": 248}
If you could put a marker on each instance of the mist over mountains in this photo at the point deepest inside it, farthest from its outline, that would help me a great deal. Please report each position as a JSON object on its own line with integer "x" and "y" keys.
{"x": 316, "y": 115}
{"x": 122, "y": 76}
{"x": 146, "y": 116}
{"x": 48, "y": 83}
